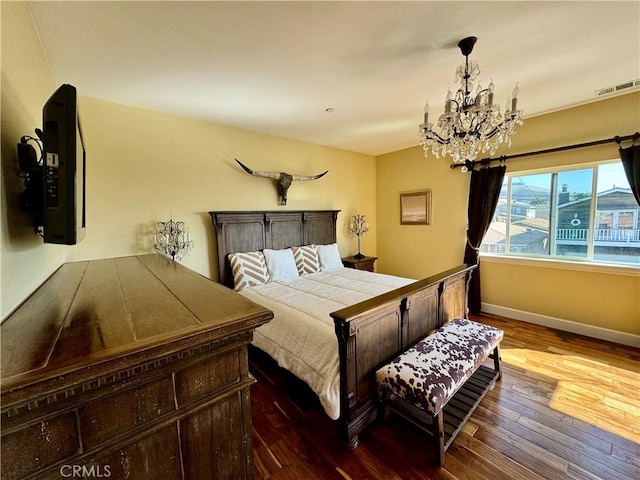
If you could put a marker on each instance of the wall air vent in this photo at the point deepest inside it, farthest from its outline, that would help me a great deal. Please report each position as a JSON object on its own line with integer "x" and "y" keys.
{"x": 617, "y": 88}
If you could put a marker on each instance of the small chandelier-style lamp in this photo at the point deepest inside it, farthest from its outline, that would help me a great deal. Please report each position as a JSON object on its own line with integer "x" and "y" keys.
{"x": 359, "y": 227}
{"x": 172, "y": 239}
{"x": 470, "y": 123}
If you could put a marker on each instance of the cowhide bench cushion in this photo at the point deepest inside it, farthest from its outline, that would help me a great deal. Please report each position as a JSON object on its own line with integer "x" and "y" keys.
{"x": 428, "y": 374}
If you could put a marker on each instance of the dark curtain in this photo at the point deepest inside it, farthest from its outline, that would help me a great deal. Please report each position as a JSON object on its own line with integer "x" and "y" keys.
{"x": 631, "y": 162}
{"x": 484, "y": 192}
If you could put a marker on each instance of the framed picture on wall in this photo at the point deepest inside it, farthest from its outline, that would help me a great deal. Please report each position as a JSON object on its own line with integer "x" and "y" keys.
{"x": 415, "y": 208}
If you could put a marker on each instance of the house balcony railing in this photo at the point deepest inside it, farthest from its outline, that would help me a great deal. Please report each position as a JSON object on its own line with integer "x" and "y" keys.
{"x": 618, "y": 235}
{"x": 572, "y": 234}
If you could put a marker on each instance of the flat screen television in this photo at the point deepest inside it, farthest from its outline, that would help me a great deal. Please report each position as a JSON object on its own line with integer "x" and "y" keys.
{"x": 64, "y": 165}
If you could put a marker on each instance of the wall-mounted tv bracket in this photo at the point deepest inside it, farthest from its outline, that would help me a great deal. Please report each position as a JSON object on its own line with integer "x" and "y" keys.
{"x": 30, "y": 170}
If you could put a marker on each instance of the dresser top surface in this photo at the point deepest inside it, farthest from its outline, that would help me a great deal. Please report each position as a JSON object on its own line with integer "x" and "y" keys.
{"x": 108, "y": 310}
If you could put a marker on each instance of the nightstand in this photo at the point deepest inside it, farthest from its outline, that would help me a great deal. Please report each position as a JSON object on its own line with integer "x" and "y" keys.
{"x": 365, "y": 263}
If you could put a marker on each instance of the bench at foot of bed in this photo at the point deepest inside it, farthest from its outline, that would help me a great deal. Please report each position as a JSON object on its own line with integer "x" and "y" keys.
{"x": 440, "y": 381}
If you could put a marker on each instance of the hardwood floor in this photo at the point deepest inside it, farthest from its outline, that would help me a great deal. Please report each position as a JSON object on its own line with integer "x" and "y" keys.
{"x": 567, "y": 407}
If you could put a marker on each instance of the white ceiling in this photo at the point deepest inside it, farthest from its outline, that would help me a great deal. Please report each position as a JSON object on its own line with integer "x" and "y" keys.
{"x": 275, "y": 67}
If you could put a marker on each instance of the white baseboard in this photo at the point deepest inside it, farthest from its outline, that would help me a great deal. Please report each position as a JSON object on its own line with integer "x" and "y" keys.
{"x": 566, "y": 325}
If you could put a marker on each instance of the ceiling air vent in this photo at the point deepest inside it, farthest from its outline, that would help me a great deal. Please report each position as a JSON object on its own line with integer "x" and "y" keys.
{"x": 617, "y": 88}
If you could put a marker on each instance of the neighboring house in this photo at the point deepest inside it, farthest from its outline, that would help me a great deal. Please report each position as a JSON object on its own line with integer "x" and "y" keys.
{"x": 616, "y": 228}
{"x": 529, "y": 229}
{"x": 524, "y": 239}
{"x": 529, "y": 241}
{"x": 519, "y": 210}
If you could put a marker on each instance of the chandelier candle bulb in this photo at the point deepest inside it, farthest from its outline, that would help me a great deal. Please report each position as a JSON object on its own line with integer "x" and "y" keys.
{"x": 514, "y": 100}
{"x": 426, "y": 112}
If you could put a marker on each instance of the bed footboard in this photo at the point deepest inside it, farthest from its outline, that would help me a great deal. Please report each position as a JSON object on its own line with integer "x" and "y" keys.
{"x": 372, "y": 332}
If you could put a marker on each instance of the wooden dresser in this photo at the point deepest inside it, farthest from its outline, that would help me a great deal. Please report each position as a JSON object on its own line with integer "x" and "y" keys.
{"x": 133, "y": 367}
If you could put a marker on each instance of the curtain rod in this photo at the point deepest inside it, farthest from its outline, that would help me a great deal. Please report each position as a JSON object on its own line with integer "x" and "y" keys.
{"x": 471, "y": 164}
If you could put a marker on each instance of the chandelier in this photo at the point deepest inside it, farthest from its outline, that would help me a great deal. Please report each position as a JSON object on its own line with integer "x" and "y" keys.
{"x": 470, "y": 124}
{"x": 172, "y": 239}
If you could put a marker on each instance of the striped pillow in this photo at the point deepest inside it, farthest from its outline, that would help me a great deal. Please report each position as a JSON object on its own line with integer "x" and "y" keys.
{"x": 306, "y": 258}
{"x": 249, "y": 269}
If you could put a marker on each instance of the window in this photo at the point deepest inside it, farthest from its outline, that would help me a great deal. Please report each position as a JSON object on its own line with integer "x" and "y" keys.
{"x": 587, "y": 214}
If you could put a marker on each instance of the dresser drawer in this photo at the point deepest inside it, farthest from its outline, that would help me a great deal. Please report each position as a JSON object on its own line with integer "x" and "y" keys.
{"x": 114, "y": 415}
{"x": 210, "y": 376}
{"x": 39, "y": 445}
{"x": 155, "y": 456}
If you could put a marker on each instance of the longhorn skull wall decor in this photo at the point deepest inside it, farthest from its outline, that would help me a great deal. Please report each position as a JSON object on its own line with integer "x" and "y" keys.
{"x": 284, "y": 179}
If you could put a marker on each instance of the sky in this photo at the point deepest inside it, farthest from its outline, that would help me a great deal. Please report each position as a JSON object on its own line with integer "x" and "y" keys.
{"x": 609, "y": 175}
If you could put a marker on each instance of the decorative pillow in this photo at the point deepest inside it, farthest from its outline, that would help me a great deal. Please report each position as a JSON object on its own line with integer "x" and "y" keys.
{"x": 280, "y": 263}
{"x": 329, "y": 256}
{"x": 249, "y": 269}
{"x": 306, "y": 258}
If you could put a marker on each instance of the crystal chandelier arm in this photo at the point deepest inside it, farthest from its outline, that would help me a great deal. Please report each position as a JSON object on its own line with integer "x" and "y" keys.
{"x": 430, "y": 134}
{"x": 494, "y": 131}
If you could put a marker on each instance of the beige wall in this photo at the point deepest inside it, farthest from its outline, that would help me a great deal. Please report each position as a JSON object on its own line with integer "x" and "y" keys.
{"x": 607, "y": 298}
{"x": 26, "y": 85}
{"x": 604, "y": 299}
{"x": 417, "y": 251}
{"x": 144, "y": 167}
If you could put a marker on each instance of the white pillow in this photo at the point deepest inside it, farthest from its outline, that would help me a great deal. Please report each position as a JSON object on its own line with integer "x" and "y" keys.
{"x": 249, "y": 269}
{"x": 306, "y": 258}
{"x": 329, "y": 256}
{"x": 280, "y": 263}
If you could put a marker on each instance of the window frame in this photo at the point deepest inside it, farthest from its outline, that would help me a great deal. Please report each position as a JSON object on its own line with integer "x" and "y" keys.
{"x": 561, "y": 260}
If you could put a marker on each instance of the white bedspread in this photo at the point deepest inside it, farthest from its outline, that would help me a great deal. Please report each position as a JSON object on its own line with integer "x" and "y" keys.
{"x": 301, "y": 337}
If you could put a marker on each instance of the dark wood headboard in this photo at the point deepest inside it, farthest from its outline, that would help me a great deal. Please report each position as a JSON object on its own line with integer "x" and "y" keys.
{"x": 257, "y": 230}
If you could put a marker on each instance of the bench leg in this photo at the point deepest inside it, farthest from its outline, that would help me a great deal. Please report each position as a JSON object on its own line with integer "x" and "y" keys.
{"x": 384, "y": 407}
{"x": 496, "y": 361}
{"x": 437, "y": 431}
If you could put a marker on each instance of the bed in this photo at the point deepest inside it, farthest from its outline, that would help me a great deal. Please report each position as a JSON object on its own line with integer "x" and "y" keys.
{"x": 333, "y": 326}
